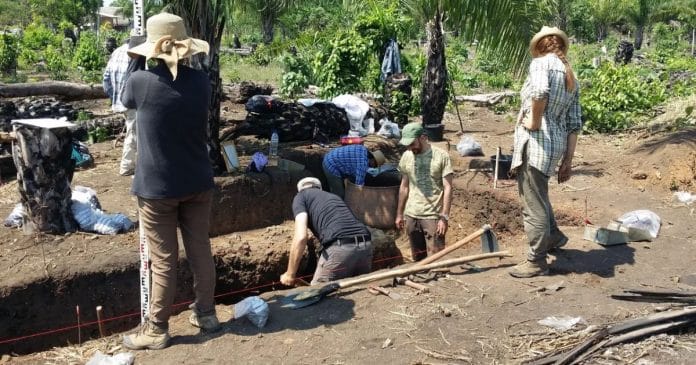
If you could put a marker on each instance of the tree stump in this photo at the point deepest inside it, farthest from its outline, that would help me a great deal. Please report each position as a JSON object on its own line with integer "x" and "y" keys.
{"x": 44, "y": 172}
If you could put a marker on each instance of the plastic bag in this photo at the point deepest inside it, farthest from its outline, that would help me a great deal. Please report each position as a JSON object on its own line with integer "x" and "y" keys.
{"x": 468, "y": 146}
{"x": 356, "y": 109}
{"x": 685, "y": 197}
{"x": 254, "y": 308}
{"x": 262, "y": 104}
{"x": 561, "y": 323}
{"x": 88, "y": 214}
{"x": 642, "y": 219}
{"x": 123, "y": 358}
{"x": 16, "y": 217}
{"x": 389, "y": 129}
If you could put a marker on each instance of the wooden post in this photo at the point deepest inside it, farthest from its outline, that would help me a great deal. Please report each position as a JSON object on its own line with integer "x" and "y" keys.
{"x": 44, "y": 171}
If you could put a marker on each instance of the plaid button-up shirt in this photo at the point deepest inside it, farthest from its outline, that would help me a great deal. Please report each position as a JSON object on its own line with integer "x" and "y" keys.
{"x": 546, "y": 146}
{"x": 348, "y": 161}
{"x": 115, "y": 74}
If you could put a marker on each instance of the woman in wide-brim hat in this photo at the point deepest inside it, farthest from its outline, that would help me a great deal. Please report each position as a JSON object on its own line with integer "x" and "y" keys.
{"x": 168, "y": 41}
{"x": 546, "y": 133}
{"x": 173, "y": 179}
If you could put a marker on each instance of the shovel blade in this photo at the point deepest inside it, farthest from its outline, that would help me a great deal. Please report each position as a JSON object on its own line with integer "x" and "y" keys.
{"x": 489, "y": 243}
{"x": 306, "y": 297}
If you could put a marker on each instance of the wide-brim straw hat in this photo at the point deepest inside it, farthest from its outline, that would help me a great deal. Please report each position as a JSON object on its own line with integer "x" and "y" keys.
{"x": 547, "y": 31}
{"x": 167, "y": 40}
{"x": 379, "y": 157}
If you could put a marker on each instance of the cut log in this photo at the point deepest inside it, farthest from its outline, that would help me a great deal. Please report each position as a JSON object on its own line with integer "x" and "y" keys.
{"x": 244, "y": 51}
{"x": 44, "y": 171}
{"x": 62, "y": 89}
{"x": 485, "y": 99}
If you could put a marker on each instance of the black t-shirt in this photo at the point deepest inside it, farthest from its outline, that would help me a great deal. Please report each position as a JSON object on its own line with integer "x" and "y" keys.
{"x": 171, "y": 125}
{"x": 329, "y": 217}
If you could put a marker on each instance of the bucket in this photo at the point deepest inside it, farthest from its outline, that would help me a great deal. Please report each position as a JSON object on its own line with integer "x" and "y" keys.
{"x": 435, "y": 131}
{"x": 375, "y": 206}
{"x": 503, "y": 166}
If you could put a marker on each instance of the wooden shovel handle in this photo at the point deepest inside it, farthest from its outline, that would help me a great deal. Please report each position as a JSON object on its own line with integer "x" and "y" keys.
{"x": 455, "y": 246}
{"x": 417, "y": 268}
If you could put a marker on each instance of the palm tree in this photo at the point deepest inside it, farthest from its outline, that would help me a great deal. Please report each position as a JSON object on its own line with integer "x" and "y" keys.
{"x": 640, "y": 13}
{"x": 603, "y": 12}
{"x": 206, "y": 21}
{"x": 268, "y": 11}
{"x": 500, "y": 26}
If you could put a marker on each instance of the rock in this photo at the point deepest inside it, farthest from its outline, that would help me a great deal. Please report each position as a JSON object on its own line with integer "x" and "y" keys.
{"x": 639, "y": 175}
{"x": 388, "y": 342}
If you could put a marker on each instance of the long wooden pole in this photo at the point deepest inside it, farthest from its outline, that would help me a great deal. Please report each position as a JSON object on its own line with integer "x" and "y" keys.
{"x": 418, "y": 268}
{"x": 456, "y": 245}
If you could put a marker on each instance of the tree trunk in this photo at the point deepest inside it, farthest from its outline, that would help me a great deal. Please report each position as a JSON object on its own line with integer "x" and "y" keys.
{"x": 267, "y": 23}
{"x": 639, "y": 36}
{"x": 211, "y": 29}
{"x": 562, "y": 17}
{"x": 44, "y": 171}
{"x": 434, "y": 91}
{"x": 63, "y": 90}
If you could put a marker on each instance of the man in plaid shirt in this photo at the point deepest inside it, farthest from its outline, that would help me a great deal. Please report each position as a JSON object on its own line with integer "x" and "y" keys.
{"x": 349, "y": 162}
{"x": 117, "y": 70}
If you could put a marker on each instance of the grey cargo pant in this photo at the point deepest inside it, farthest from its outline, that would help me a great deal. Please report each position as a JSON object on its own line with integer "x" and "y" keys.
{"x": 539, "y": 223}
{"x": 341, "y": 260}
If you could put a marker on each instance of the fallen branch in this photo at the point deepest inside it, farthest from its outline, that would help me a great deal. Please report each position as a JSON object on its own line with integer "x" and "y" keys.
{"x": 64, "y": 90}
{"x": 485, "y": 99}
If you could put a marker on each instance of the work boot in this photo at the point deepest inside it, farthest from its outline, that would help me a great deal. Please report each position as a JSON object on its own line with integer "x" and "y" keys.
{"x": 151, "y": 336}
{"x": 529, "y": 269}
{"x": 207, "y": 322}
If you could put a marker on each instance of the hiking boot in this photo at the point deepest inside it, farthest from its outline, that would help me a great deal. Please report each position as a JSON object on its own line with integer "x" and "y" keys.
{"x": 206, "y": 322}
{"x": 528, "y": 269}
{"x": 150, "y": 336}
{"x": 127, "y": 172}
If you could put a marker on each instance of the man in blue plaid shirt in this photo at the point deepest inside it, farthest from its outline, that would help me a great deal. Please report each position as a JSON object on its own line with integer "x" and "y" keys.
{"x": 349, "y": 162}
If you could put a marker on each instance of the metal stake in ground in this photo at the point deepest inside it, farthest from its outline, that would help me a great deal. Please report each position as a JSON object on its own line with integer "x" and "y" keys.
{"x": 497, "y": 163}
{"x": 79, "y": 327}
{"x": 99, "y": 321}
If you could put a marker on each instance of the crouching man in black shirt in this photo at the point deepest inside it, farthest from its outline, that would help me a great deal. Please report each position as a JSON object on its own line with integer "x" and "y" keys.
{"x": 346, "y": 243}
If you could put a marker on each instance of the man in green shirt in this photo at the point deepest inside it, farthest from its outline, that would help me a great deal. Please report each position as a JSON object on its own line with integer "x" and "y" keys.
{"x": 425, "y": 194}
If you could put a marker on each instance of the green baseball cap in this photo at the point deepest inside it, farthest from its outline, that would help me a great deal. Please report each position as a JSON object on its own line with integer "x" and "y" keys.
{"x": 410, "y": 132}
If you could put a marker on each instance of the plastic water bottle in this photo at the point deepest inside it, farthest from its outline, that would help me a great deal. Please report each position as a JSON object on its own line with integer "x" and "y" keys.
{"x": 273, "y": 153}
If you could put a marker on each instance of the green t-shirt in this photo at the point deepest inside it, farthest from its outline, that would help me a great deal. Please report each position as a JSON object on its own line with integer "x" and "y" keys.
{"x": 425, "y": 172}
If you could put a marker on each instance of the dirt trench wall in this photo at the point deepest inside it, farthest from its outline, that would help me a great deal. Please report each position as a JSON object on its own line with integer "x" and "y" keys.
{"x": 253, "y": 200}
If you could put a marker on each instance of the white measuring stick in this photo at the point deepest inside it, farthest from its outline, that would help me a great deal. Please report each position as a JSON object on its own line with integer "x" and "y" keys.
{"x": 139, "y": 29}
{"x": 144, "y": 275}
{"x": 138, "y": 17}
{"x": 497, "y": 163}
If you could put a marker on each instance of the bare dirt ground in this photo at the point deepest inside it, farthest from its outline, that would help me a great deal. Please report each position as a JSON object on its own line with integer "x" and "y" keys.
{"x": 473, "y": 314}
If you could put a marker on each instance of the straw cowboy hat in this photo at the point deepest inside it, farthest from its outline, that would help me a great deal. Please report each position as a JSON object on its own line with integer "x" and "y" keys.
{"x": 168, "y": 41}
{"x": 379, "y": 157}
{"x": 546, "y": 31}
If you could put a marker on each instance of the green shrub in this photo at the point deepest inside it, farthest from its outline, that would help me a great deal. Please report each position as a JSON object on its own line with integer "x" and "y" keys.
{"x": 614, "y": 97}
{"x": 9, "y": 53}
{"x": 56, "y": 64}
{"x": 88, "y": 54}
{"x": 341, "y": 66}
{"x": 37, "y": 37}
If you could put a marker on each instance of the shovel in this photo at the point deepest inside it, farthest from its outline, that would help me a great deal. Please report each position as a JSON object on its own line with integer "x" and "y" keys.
{"x": 305, "y": 297}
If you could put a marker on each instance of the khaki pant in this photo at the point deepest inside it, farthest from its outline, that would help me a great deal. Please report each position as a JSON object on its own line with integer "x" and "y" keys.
{"x": 340, "y": 261}
{"x": 130, "y": 145}
{"x": 160, "y": 218}
{"x": 423, "y": 237}
{"x": 539, "y": 222}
